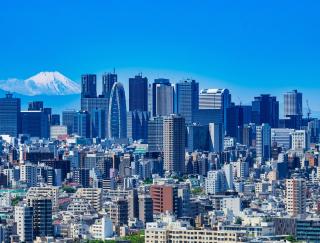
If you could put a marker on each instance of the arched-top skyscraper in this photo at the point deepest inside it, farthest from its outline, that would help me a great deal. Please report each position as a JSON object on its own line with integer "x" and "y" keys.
{"x": 117, "y": 114}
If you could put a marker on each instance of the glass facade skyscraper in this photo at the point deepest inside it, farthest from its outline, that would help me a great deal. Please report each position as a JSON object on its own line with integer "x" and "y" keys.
{"x": 10, "y": 122}
{"x": 138, "y": 93}
{"x": 88, "y": 86}
{"x": 117, "y": 113}
{"x": 187, "y": 99}
{"x": 265, "y": 109}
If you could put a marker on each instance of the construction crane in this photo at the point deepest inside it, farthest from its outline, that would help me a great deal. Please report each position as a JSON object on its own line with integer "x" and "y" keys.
{"x": 308, "y": 111}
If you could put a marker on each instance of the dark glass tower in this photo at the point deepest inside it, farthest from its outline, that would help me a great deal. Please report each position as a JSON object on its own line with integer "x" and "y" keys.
{"x": 187, "y": 99}
{"x": 89, "y": 86}
{"x": 10, "y": 122}
{"x": 265, "y": 109}
{"x": 108, "y": 80}
{"x": 138, "y": 93}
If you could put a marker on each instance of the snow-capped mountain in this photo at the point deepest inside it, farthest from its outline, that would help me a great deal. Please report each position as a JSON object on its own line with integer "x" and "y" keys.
{"x": 43, "y": 83}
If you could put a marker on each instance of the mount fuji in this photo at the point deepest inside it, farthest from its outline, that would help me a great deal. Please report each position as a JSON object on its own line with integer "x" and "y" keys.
{"x": 43, "y": 83}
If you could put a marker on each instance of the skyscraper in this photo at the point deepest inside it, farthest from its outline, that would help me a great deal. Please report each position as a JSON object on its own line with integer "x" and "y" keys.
{"x": 138, "y": 93}
{"x": 90, "y": 102}
{"x": 293, "y": 109}
{"x": 10, "y": 122}
{"x": 215, "y": 99}
{"x": 265, "y": 109}
{"x": 68, "y": 120}
{"x": 108, "y": 80}
{"x": 88, "y": 86}
{"x": 137, "y": 122}
{"x": 98, "y": 125}
{"x": 117, "y": 113}
{"x": 237, "y": 116}
{"x": 162, "y": 97}
{"x": 83, "y": 124}
{"x": 155, "y": 134}
{"x": 292, "y": 103}
{"x": 35, "y": 123}
{"x": 216, "y": 137}
{"x": 187, "y": 99}
{"x": 174, "y": 134}
{"x": 263, "y": 141}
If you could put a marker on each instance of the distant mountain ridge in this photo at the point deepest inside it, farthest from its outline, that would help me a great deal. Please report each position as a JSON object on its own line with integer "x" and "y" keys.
{"x": 43, "y": 83}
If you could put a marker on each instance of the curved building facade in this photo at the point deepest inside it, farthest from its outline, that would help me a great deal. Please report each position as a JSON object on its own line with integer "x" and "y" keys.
{"x": 117, "y": 114}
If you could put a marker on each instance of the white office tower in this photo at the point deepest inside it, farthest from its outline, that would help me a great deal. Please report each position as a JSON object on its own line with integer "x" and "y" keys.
{"x": 23, "y": 217}
{"x": 263, "y": 142}
{"x": 300, "y": 140}
{"x": 216, "y": 136}
{"x": 216, "y": 182}
{"x": 296, "y": 190}
{"x": 228, "y": 170}
{"x": 174, "y": 143}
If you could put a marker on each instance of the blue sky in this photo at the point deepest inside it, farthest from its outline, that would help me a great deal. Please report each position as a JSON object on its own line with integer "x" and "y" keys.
{"x": 249, "y": 47}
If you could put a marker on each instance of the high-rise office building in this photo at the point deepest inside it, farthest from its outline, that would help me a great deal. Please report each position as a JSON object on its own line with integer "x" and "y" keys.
{"x": 35, "y": 123}
{"x": 155, "y": 134}
{"x": 198, "y": 138}
{"x": 162, "y": 97}
{"x": 187, "y": 99}
{"x": 263, "y": 141}
{"x": 265, "y": 109}
{"x": 55, "y": 120}
{"x": 296, "y": 190}
{"x": 216, "y": 137}
{"x": 117, "y": 113}
{"x": 138, "y": 93}
{"x": 293, "y": 103}
{"x": 174, "y": 134}
{"x": 281, "y": 137}
{"x": 108, "y": 80}
{"x": 137, "y": 122}
{"x": 91, "y": 105}
{"x": 10, "y": 122}
{"x": 88, "y": 86}
{"x": 293, "y": 109}
{"x": 98, "y": 123}
{"x": 83, "y": 124}
{"x": 237, "y": 116}
{"x": 215, "y": 99}
{"x": 35, "y": 106}
{"x": 68, "y": 119}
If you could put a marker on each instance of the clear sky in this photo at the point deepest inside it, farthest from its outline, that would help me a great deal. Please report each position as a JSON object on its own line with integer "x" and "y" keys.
{"x": 249, "y": 47}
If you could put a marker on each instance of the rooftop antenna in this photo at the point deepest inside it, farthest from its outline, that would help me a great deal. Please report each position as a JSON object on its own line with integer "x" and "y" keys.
{"x": 114, "y": 70}
{"x": 239, "y": 101}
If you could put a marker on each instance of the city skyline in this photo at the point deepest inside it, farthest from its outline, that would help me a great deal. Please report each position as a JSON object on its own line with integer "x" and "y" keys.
{"x": 220, "y": 45}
